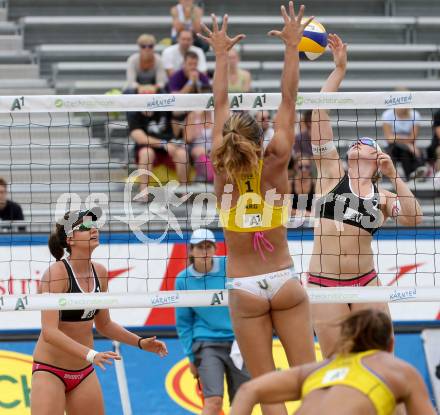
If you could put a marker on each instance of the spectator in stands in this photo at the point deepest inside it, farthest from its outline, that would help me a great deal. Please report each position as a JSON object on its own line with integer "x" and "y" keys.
{"x": 154, "y": 137}
{"x": 197, "y": 136}
{"x": 401, "y": 129}
{"x": 239, "y": 79}
{"x": 303, "y": 144}
{"x": 206, "y": 334}
{"x": 145, "y": 71}
{"x": 264, "y": 121}
{"x": 303, "y": 186}
{"x": 188, "y": 16}
{"x": 9, "y": 210}
{"x": 189, "y": 80}
{"x": 433, "y": 151}
{"x": 173, "y": 56}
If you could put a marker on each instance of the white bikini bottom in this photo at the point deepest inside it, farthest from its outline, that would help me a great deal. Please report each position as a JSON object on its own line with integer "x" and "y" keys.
{"x": 265, "y": 285}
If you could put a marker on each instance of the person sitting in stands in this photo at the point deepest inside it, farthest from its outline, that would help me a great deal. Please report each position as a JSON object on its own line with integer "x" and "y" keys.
{"x": 187, "y": 16}
{"x": 145, "y": 71}
{"x": 173, "y": 56}
{"x": 9, "y": 210}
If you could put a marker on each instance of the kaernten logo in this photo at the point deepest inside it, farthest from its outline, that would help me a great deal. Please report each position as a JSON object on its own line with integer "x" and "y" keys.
{"x": 182, "y": 387}
{"x": 402, "y": 295}
{"x": 166, "y": 101}
{"x": 398, "y": 100}
{"x": 165, "y": 299}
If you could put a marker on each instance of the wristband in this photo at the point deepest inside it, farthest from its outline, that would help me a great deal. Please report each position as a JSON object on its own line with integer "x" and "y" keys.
{"x": 323, "y": 148}
{"x": 395, "y": 210}
{"x": 139, "y": 342}
{"x": 91, "y": 355}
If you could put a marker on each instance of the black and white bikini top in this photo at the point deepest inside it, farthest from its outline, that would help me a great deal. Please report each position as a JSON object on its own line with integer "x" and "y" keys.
{"x": 74, "y": 287}
{"x": 343, "y": 205}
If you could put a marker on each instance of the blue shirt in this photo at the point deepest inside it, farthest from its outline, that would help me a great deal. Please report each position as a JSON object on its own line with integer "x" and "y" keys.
{"x": 203, "y": 323}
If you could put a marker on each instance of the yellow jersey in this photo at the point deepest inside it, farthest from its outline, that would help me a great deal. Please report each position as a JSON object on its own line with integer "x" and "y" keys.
{"x": 252, "y": 213}
{"x": 348, "y": 370}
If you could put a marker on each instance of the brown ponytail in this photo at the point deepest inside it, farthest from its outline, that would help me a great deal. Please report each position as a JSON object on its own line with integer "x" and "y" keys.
{"x": 365, "y": 330}
{"x": 58, "y": 242}
{"x": 239, "y": 153}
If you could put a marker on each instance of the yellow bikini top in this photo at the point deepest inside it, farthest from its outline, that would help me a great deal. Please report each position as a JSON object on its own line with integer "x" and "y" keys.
{"x": 252, "y": 213}
{"x": 349, "y": 371}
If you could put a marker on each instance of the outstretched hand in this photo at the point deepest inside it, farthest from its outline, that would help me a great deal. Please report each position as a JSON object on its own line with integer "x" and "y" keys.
{"x": 293, "y": 27}
{"x": 217, "y": 38}
{"x": 339, "y": 50}
{"x": 152, "y": 345}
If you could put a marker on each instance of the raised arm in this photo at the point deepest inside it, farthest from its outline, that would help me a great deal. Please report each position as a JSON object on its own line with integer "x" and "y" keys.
{"x": 284, "y": 137}
{"x": 325, "y": 154}
{"x": 402, "y": 205}
{"x": 221, "y": 43}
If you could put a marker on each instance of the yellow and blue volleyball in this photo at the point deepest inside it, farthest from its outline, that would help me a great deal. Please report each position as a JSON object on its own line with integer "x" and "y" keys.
{"x": 313, "y": 42}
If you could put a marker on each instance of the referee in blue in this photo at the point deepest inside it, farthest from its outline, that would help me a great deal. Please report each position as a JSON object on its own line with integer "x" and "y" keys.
{"x": 206, "y": 332}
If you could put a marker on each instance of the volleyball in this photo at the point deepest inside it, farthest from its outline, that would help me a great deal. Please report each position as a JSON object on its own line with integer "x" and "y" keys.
{"x": 313, "y": 42}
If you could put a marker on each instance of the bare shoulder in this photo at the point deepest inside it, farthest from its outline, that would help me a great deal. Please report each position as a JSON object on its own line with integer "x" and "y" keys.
{"x": 399, "y": 373}
{"x": 55, "y": 279}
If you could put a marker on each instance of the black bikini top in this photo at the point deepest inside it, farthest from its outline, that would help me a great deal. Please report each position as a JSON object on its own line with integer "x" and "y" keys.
{"x": 343, "y": 205}
{"x": 74, "y": 287}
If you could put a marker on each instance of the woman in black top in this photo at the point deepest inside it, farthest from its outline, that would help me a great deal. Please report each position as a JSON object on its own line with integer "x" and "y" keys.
{"x": 351, "y": 209}
{"x": 63, "y": 377}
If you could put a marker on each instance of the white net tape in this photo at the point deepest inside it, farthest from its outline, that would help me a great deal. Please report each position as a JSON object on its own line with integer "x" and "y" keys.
{"x": 208, "y": 298}
{"x": 201, "y": 102}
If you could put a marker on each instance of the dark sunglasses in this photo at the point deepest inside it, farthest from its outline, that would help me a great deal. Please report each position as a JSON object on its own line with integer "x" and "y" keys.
{"x": 367, "y": 141}
{"x": 150, "y": 46}
{"x": 85, "y": 226}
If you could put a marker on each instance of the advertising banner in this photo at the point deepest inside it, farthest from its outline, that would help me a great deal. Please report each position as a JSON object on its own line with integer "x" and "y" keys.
{"x": 156, "y": 386}
{"x": 402, "y": 260}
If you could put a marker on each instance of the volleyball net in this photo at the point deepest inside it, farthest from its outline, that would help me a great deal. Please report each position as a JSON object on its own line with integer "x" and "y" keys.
{"x": 66, "y": 153}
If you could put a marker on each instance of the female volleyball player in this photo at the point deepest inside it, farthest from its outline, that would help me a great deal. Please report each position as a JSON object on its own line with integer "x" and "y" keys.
{"x": 351, "y": 209}
{"x": 63, "y": 377}
{"x": 265, "y": 293}
{"x": 362, "y": 377}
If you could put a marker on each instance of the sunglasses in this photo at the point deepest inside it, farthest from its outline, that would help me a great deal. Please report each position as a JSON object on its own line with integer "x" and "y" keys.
{"x": 150, "y": 46}
{"x": 85, "y": 226}
{"x": 367, "y": 141}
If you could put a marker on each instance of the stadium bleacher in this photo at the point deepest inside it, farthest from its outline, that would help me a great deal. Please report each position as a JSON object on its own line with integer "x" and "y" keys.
{"x": 80, "y": 47}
